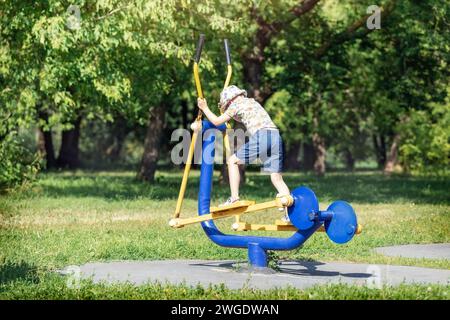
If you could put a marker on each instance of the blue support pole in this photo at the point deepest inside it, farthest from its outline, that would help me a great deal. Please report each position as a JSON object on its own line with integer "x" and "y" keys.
{"x": 325, "y": 215}
{"x": 257, "y": 256}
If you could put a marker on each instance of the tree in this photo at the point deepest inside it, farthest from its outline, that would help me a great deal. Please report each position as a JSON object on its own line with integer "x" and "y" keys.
{"x": 409, "y": 72}
{"x": 328, "y": 81}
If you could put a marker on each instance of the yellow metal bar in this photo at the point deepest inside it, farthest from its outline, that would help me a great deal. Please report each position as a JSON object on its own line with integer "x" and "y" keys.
{"x": 226, "y": 140}
{"x": 187, "y": 168}
{"x": 279, "y": 222}
{"x": 285, "y": 201}
{"x": 287, "y": 226}
{"x": 262, "y": 206}
{"x": 178, "y": 222}
{"x": 198, "y": 85}
{"x": 234, "y": 205}
{"x": 229, "y": 72}
{"x": 243, "y": 226}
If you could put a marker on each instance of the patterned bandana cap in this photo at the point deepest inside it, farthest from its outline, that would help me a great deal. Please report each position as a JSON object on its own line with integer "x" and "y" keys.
{"x": 229, "y": 93}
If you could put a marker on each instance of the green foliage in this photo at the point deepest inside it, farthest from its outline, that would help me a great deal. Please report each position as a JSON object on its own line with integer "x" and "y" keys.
{"x": 365, "y": 86}
{"x": 426, "y": 139}
{"x": 127, "y": 57}
{"x": 111, "y": 144}
{"x": 17, "y": 164}
{"x": 273, "y": 260}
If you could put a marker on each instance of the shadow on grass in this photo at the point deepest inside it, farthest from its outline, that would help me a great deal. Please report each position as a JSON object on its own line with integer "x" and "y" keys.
{"x": 357, "y": 187}
{"x": 11, "y": 272}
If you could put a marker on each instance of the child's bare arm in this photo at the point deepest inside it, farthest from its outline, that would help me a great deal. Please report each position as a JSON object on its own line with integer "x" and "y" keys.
{"x": 215, "y": 120}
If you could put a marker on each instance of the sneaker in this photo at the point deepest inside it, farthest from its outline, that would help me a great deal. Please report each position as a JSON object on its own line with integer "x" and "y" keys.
{"x": 285, "y": 218}
{"x": 229, "y": 201}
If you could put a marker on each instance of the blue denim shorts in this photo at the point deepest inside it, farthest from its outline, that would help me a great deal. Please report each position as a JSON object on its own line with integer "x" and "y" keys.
{"x": 266, "y": 145}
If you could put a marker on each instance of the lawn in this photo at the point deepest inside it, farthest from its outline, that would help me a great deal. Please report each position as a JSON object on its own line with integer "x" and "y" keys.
{"x": 71, "y": 218}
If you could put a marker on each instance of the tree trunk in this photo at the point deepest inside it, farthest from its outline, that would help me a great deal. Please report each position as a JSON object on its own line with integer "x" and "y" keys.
{"x": 319, "y": 154}
{"x": 68, "y": 153}
{"x": 379, "y": 143}
{"x": 308, "y": 157}
{"x": 291, "y": 160}
{"x": 45, "y": 144}
{"x": 117, "y": 135}
{"x": 253, "y": 70}
{"x": 349, "y": 160}
{"x": 152, "y": 143}
{"x": 45, "y": 147}
{"x": 41, "y": 142}
{"x": 392, "y": 158}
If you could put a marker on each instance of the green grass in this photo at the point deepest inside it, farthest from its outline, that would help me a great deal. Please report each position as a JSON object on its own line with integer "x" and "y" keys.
{"x": 53, "y": 287}
{"x": 71, "y": 218}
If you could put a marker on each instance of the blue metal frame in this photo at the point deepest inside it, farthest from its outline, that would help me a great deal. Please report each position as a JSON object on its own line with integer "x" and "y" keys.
{"x": 257, "y": 246}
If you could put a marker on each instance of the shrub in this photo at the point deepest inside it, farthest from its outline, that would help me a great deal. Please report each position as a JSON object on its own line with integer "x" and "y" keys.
{"x": 426, "y": 140}
{"x": 18, "y": 165}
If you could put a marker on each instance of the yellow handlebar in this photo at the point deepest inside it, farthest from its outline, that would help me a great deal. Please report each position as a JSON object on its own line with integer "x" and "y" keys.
{"x": 198, "y": 86}
{"x": 187, "y": 168}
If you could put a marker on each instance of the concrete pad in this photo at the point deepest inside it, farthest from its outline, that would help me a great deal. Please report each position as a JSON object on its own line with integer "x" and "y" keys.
{"x": 428, "y": 251}
{"x": 234, "y": 275}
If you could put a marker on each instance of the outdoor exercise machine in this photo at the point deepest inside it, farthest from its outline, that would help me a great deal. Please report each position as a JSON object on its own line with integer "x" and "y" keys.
{"x": 339, "y": 220}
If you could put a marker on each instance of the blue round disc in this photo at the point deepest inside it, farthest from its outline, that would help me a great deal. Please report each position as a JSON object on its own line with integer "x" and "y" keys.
{"x": 342, "y": 227}
{"x": 305, "y": 204}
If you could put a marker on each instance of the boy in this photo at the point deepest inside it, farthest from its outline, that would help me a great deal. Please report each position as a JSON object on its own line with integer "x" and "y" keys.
{"x": 265, "y": 142}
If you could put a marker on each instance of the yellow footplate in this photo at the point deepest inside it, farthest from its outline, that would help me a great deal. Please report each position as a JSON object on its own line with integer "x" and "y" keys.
{"x": 279, "y": 225}
{"x": 283, "y": 223}
{"x": 287, "y": 224}
{"x": 238, "y": 206}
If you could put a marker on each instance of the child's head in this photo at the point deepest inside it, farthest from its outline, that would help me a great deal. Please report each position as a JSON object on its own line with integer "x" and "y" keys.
{"x": 229, "y": 94}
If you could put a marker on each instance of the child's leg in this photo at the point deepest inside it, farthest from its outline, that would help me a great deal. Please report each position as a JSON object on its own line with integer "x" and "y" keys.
{"x": 272, "y": 156}
{"x": 278, "y": 182}
{"x": 234, "y": 176}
